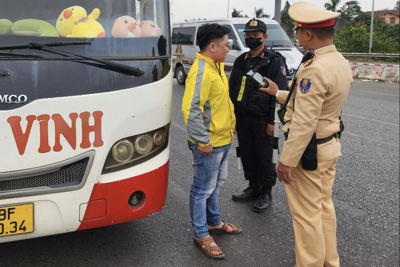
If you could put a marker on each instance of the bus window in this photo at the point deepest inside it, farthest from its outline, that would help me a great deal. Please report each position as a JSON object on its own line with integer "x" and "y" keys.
{"x": 128, "y": 27}
{"x": 183, "y": 36}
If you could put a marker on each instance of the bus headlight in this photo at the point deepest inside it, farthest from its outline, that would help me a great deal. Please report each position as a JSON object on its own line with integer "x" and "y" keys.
{"x": 143, "y": 144}
{"x": 133, "y": 150}
{"x": 123, "y": 151}
{"x": 159, "y": 138}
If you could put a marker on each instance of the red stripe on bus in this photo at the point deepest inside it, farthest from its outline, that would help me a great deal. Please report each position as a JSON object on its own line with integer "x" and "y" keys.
{"x": 116, "y": 195}
{"x": 97, "y": 209}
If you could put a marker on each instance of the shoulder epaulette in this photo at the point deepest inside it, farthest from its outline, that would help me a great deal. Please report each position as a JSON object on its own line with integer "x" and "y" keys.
{"x": 308, "y": 62}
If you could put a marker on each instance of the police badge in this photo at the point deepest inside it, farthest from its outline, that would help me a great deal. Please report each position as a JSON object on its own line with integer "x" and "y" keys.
{"x": 283, "y": 70}
{"x": 254, "y": 23}
{"x": 305, "y": 85}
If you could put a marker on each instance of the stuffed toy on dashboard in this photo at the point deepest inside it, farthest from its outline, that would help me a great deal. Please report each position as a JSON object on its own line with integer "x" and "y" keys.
{"x": 74, "y": 22}
{"x": 28, "y": 27}
{"x": 150, "y": 28}
{"x": 126, "y": 27}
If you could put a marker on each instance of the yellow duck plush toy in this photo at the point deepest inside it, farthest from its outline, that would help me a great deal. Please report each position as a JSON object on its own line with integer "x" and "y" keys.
{"x": 74, "y": 22}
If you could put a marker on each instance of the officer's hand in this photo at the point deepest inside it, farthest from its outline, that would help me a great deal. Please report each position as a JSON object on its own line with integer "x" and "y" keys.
{"x": 284, "y": 173}
{"x": 272, "y": 88}
{"x": 206, "y": 151}
{"x": 270, "y": 129}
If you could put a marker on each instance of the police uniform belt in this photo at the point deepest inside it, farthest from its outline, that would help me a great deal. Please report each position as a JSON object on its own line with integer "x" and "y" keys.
{"x": 327, "y": 139}
{"x": 319, "y": 141}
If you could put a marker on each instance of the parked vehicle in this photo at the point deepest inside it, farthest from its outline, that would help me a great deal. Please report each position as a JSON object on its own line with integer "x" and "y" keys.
{"x": 184, "y": 44}
{"x": 299, "y": 47}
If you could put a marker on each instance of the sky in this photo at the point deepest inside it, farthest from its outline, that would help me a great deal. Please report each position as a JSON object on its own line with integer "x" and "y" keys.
{"x": 212, "y": 9}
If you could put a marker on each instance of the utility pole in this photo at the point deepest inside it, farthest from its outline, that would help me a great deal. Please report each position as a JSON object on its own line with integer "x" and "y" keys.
{"x": 227, "y": 15}
{"x": 277, "y": 16}
{"x": 372, "y": 27}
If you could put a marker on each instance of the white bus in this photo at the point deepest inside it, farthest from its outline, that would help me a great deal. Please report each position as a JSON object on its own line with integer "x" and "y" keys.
{"x": 184, "y": 44}
{"x": 85, "y": 112}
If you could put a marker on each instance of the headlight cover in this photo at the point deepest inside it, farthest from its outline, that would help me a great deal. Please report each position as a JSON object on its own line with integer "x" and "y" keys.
{"x": 134, "y": 150}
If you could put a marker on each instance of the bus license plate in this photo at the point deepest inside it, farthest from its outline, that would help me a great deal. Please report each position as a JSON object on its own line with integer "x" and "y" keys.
{"x": 16, "y": 220}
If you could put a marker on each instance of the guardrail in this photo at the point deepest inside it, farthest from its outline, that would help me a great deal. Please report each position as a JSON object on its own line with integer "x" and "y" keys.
{"x": 370, "y": 55}
{"x": 380, "y": 72}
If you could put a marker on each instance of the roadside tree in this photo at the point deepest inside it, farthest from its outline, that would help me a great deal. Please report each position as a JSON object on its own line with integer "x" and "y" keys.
{"x": 332, "y": 5}
{"x": 237, "y": 13}
{"x": 259, "y": 13}
{"x": 351, "y": 11}
{"x": 287, "y": 22}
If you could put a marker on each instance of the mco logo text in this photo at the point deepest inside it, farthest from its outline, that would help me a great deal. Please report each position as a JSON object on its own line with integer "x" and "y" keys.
{"x": 13, "y": 99}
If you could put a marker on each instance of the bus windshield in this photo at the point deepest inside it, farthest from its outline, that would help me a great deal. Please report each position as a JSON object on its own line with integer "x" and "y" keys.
{"x": 116, "y": 28}
{"x": 276, "y": 35}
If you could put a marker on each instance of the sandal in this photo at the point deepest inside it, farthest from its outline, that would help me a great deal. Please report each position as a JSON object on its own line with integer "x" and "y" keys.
{"x": 206, "y": 241}
{"x": 224, "y": 228}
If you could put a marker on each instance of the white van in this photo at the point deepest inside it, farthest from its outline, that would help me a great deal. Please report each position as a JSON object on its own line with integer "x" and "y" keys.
{"x": 184, "y": 44}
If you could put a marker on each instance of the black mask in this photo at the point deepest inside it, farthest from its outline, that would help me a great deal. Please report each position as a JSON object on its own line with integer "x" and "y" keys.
{"x": 253, "y": 43}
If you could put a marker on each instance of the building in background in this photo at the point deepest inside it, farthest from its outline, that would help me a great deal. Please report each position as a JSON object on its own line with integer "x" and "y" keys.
{"x": 387, "y": 16}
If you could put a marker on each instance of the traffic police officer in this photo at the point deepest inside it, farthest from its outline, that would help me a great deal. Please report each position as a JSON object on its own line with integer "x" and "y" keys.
{"x": 313, "y": 117}
{"x": 255, "y": 112}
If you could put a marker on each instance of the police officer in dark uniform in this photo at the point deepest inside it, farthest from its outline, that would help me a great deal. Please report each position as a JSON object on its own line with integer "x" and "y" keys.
{"x": 255, "y": 112}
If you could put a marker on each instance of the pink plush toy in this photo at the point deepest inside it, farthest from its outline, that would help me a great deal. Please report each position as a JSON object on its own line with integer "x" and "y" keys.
{"x": 126, "y": 27}
{"x": 150, "y": 28}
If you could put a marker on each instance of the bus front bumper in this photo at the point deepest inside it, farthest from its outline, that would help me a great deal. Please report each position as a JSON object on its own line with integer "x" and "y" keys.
{"x": 110, "y": 203}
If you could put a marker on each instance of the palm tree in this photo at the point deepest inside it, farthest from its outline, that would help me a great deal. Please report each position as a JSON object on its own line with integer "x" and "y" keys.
{"x": 332, "y": 5}
{"x": 237, "y": 13}
{"x": 259, "y": 13}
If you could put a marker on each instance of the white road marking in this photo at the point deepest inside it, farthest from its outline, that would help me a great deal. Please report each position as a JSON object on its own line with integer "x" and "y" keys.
{"x": 369, "y": 119}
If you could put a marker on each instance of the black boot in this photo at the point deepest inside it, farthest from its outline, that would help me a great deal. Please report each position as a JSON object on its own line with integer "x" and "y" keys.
{"x": 263, "y": 201}
{"x": 250, "y": 193}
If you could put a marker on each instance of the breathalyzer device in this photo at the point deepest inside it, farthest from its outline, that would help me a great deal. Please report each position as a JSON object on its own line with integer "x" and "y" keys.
{"x": 257, "y": 79}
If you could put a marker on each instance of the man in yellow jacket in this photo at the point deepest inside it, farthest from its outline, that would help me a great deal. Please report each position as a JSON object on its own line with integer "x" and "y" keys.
{"x": 210, "y": 121}
{"x": 313, "y": 125}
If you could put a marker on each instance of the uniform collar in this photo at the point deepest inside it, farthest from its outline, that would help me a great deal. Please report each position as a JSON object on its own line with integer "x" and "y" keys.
{"x": 325, "y": 49}
{"x": 261, "y": 55}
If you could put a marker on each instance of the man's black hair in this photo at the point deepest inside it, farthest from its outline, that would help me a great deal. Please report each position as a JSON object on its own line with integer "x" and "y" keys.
{"x": 208, "y": 33}
{"x": 321, "y": 33}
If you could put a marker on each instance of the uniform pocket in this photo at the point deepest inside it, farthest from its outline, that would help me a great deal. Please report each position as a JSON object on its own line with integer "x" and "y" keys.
{"x": 258, "y": 101}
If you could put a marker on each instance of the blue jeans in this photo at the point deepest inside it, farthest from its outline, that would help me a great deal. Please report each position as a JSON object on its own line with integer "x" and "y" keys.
{"x": 210, "y": 173}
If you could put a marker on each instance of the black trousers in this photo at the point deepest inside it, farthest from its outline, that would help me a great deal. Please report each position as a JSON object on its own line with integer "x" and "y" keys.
{"x": 256, "y": 150}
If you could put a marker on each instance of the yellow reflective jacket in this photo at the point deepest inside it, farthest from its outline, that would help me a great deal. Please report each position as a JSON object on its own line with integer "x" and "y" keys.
{"x": 206, "y": 106}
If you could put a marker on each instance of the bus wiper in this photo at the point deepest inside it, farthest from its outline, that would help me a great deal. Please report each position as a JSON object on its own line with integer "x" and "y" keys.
{"x": 127, "y": 70}
{"x": 29, "y": 46}
{"x": 6, "y": 54}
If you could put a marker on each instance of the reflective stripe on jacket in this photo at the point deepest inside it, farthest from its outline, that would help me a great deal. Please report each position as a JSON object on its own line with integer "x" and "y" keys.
{"x": 206, "y": 106}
